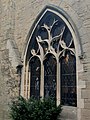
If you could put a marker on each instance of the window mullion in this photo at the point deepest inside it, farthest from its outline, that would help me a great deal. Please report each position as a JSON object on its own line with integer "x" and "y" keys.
{"x": 58, "y": 82}
{"x": 42, "y": 81}
{"x": 26, "y": 81}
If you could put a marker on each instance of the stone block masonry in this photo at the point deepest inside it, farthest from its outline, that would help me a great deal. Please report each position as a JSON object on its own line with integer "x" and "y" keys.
{"x": 16, "y": 19}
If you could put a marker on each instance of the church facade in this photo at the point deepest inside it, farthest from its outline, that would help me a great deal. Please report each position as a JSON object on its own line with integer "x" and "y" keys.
{"x": 45, "y": 51}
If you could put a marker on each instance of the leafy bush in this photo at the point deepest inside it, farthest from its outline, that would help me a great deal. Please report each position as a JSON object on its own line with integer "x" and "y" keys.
{"x": 33, "y": 109}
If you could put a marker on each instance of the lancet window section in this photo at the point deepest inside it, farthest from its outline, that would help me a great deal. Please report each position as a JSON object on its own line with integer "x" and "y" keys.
{"x": 68, "y": 80}
{"x": 50, "y": 67}
{"x": 35, "y": 71}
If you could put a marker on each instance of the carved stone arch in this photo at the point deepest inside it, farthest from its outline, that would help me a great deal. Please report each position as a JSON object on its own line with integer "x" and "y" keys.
{"x": 60, "y": 11}
{"x": 52, "y": 42}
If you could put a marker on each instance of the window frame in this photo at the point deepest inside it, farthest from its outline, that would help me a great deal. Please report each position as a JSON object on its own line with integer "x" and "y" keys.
{"x": 26, "y": 71}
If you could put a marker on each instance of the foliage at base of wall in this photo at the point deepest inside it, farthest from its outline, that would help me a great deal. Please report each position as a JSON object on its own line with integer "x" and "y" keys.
{"x": 33, "y": 109}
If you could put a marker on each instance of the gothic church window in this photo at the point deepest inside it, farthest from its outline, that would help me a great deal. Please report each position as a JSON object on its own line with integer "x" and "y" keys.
{"x": 51, "y": 59}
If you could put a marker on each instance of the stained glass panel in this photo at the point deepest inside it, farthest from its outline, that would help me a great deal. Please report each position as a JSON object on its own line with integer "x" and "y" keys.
{"x": 68, "y": 80}
{"x": 50, "y": 76}
{"x": 35, "y": 77}
{"x": 52, "y": 40}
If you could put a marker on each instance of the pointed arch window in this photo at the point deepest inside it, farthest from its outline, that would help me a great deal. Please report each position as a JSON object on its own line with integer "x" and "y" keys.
{"x": 52, "y": 58}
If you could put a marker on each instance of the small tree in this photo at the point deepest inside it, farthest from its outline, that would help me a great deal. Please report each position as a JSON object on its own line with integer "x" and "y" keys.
{"x": 33, "y": 109}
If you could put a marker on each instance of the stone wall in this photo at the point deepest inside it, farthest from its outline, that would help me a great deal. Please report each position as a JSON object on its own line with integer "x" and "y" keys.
{"x": 9, "y": 79}
{"x": 16, "y": 19}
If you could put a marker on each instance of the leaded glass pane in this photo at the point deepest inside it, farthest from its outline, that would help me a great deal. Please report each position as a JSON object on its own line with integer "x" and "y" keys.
{"x": 50, "y": 41}
{"x": 35, "y": 77}
{"x": 68, "y": 80}
{"x": 50, "y": 76}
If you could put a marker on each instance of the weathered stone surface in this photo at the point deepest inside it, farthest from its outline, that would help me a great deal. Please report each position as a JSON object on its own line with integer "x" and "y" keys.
{"x": 68, "y": 113}
{"x": 85, "y": 93}
{"x": 16, "y": 19}
{"x": 86, "y": 112}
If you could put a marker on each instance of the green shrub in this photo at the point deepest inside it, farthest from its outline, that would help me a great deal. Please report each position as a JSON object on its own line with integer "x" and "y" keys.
{"x": 33, "y": 109}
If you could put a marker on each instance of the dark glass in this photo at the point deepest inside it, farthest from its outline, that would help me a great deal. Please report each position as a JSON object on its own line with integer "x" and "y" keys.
{"x": 51, "y": 34}
{"x": 43, "y": 33}
{"x": 50, "y": 76}
{"x": 35, "y": 77}
{"x": 67, "y": 36}
{"x": 68, "y": 80}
